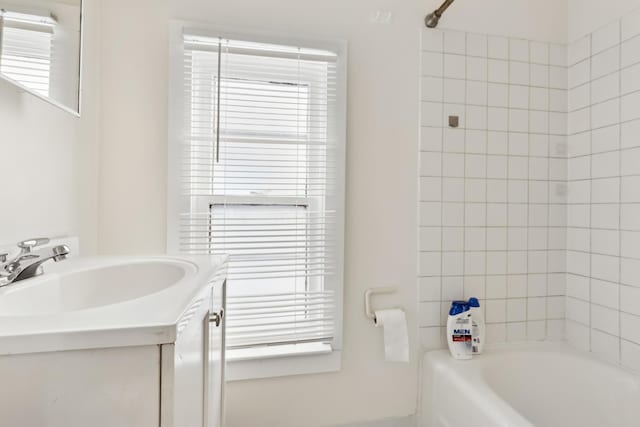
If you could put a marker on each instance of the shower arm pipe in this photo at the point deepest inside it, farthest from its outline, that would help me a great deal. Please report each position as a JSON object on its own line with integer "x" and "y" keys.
{"x": 438, "y": 12}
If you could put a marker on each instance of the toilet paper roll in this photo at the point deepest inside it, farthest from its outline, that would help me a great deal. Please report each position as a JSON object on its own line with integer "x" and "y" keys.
{"x": 396, "y": 337}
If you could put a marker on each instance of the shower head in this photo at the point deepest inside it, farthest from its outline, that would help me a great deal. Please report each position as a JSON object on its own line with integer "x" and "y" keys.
{"x": 431, "y": 20}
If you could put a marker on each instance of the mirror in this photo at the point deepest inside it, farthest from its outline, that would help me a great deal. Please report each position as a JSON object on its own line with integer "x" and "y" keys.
{"x": 40, "y": 49}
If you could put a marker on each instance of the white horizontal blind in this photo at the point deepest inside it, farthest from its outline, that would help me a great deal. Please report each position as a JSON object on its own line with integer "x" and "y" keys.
{"x": 26, "y": 49}
{"x": 258, "y": 179}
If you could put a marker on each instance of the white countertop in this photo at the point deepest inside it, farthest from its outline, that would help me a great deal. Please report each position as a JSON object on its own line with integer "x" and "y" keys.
{"x": 149, "y": 320}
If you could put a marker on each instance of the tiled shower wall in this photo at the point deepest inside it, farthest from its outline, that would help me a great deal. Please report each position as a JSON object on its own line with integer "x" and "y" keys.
{"x": 493, "y": 190}
{"x": 603, "y": 281}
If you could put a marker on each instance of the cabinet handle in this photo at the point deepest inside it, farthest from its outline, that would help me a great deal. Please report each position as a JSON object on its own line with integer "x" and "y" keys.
{"x": 217, "y": 317}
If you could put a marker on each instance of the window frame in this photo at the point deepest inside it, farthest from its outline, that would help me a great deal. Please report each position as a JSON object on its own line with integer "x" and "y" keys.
{"x": 307, "y": 359}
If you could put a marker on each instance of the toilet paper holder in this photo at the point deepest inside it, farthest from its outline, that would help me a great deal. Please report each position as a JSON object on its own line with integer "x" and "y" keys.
{"x": 367, "y": 299}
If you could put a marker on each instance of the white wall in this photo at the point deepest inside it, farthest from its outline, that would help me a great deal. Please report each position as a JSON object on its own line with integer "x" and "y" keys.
{"x": 48, "y": 169}
{"x": 381, "y": 170}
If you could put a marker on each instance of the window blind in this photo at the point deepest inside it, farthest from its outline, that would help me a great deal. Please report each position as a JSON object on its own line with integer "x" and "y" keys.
{"x": 260, "y": 181}
{"x": 25, "y": 50}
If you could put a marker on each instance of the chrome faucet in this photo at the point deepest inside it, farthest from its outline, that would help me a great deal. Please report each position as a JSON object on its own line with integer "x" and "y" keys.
{"x": 28, "y": 263}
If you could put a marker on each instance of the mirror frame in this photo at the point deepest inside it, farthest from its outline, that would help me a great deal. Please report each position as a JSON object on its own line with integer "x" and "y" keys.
{"x": 53, "y": 102}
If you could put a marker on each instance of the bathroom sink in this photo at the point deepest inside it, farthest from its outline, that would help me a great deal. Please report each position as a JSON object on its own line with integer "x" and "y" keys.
{"x": 93, "y": 287}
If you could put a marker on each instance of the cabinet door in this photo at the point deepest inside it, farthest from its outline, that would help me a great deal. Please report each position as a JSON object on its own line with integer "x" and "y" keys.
{"x": 214, "y": 411}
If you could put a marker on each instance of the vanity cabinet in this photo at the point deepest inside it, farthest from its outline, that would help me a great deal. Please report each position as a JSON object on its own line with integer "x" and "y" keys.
{"x": 177, "y": 384}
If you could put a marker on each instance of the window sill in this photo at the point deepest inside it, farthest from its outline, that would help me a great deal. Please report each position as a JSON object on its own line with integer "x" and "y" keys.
{"x": 272, "y": 362}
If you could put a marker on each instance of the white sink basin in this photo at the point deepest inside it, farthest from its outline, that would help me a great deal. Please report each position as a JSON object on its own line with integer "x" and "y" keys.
{"x": 94, "y": 287}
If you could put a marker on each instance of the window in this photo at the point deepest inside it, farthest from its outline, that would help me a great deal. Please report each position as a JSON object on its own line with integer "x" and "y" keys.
{"x": 25, "y": 50}
{"x": 258, "y": 174}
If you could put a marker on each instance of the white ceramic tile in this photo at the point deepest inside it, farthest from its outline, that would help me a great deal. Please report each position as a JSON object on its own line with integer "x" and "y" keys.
{"x": 452, "y": 239}
{"x": 498, "y": 47}
{"x": 432, "y": 89}
{"x": 580, "y": 120}
{"x": 453, "y": 265}
{"x": 630, "y": 217}
{"x": 498, "y": 95}
{"x": 605, "y": 216}
{"x": 498, "y": 71}
{"x": 429, "y": 314}
{"x": 430, "y": 164}
{"x": 579, "y": 73}
{"x": 578, "y": 335}
{"x": 539, "y": 52}
{"x": 519, "y": 97}
{"x": 476, "y": 117}
{"x": 558, "y": 100}
{"x": 475, "y": 263}
{"x": 455, "y": 42}
{"x": 605, "y": 62}
{"x": 630, "y": 52}
{"x": 477, "y": 68}
{"x": 430, "y": 239}
{"x": 496, "y": 311}
{"x": 605, "y": 139}
{"x": 517, "y": 262}
{"x": 579, "y": 144}
{"x": 578, "y": 311}
{"x": 430, "y": 189}
{"x": 536, "y": 308}
{"x": 432, "y": 64}
{"x": 519, "y": 73}
{"x": 579, "y": 97}
{"x": 432, "y": 40}
{"x": 539, "y": 145}
{"x": 497, "y": 143}
{"x": 539, "y": 75}
{"x": 497, "y": 191}
{"x": 454, "y": 91}
{"x": 579, "y": 50}
{"x": 476, "y": 140}
{"x": 516, "y": 331}
{"x": 578, "y": 239}
{"x": 630, "y": 271}
{"x": 475, "y": 166}
{"x": 579, "y": 191}
{"x": 497, "y": 217}
{"x": 431, "y": 114}
{"x": 454, "y": 66}
{"x": 630, "y": 244}
{"x": 605, "y": 114}
{"x": 630, "y": 24}
{"x": 539, "y": 98}
{"x": 630, "y": 134}
{"x": 539, "y": 121}
{"x": 453, "y": 164}
{"x": 605, "y": 165}
{"x": 452, "y": 214}
{"x": 496, "y": 238}
{"x": 558, "y": 55}
{"x": 476, "y": 93}
{"x": 519, "y": 50}
{"x": 497, "y": 262}
{"x": 630, "y": 189}
{"x": 430, "y": 264}
{"x": 605, "y": 242}
{"x": 605, "y": 345}
{"x": 605, "y": 190}
{"x": 498, "y": 119}
{"x": 630, "y": 327}
{"x": 630, "y": 161}
{"x": 430, "y": 139}
{"x": 516, "y": 310}
{"x": 605, "y": 88}
{"x": 555, "y": 307}
{"x": 518, "y": 121}
{"x": 477, "y": 45}
{"x": 453, "y": 140}
{"x": 630, "y": 355}
{"x": 605, "y": 37}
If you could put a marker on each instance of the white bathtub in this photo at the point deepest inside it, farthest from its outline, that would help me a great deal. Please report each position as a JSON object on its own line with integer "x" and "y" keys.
{"x": 524, "y": 385}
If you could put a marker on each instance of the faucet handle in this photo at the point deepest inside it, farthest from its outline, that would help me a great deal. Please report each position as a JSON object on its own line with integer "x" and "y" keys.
{"x": 27, "y": 245}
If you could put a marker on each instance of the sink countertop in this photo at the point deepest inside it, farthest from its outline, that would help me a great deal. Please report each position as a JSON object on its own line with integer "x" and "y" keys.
{"x": 148, "y": 320}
